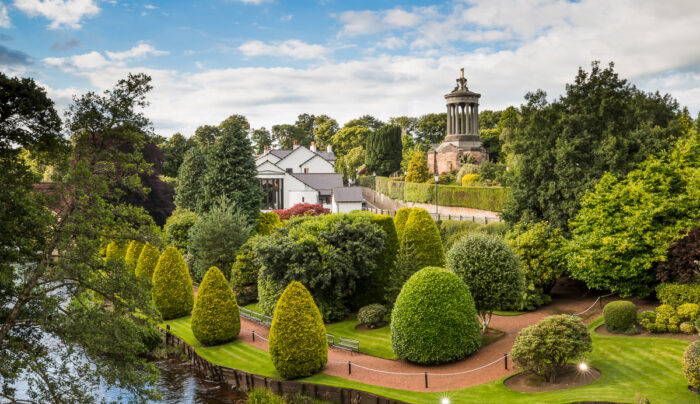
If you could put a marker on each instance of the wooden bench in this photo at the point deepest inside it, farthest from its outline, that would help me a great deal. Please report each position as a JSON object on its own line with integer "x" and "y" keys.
{"x": 352, "y": 345}
{"x": 251, "y": 315}
{"x": 331, "y": 339}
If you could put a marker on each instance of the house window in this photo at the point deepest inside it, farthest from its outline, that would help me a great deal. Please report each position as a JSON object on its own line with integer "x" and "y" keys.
{"x": 273, "y": 189}
{"x": 289, "y": 170}
{"x": 324, "y": 199}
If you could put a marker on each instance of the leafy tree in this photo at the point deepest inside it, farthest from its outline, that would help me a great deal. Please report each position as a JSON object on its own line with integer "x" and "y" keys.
{"x": 231, "y": 172}
{"x": 132, "y": 254}
{"x": 491, "y": 270}
{"x": 174, "y": 150}
{"x": 383, "y": 148}
{"x": 305, "y": 125}
{"x": 172, "y": 291}
{"x": 177, "y": 228}
{"x": 350, "y": 163}
{"x": 297, "y": 323}
{"x": 490, "y": 133}
{"x": 235, "y": 120}
{"x": 431, "y": 128}
{"x": 324, "y": 129}
{"x": 206, "y": 136}
{"x": 601, "y": 124}
{"x": 408, "y": 148}
{"x": 422, "y": 238}
{"x": 682, "y": 258}
{"x": 626, "y": 226}
{"x": 367, "y": 121}
{"x": 417, "y": 168}
{"x": 261, "y": 139}
{"x": 215, "y": 317}
{"x": 407, "y": 124}
{"x": 148, "y": 259}
{"x": 50, "y": 262}
{"x": 188, "y": 192}
{"x": 285, "y": 135}
{"x": 348, "y": 138}
{"x": 434, "y": 320}
{"x": 215, "y": 237}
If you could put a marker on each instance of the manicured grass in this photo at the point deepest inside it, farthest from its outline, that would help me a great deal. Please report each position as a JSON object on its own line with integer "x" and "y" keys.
{"x": 375, "y": 342}
{"x": 646, "y": 365}
{"x": 254, "y": 307}
{"x": 509, "y": 313}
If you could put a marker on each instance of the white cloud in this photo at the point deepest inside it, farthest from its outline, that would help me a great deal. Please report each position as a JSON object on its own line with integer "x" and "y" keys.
{"x": 369, "y": 22}
{"x": 392, "y": 42}
{"x": 95, "y": 60}
{"x": 149, "y": 6}
{"x": 140, "y": 49}
{"x": 291, "y": 48}
{"x": 4, "y": 17}
{"x": 61, "y": 13}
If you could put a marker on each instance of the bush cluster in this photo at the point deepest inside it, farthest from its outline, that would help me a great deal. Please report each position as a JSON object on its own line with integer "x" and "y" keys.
{"x": 172, "y": 290}
{"x": 215, "y": 316}
{"x": 667, "y": 319}
{"x": 691, "y": 364}
{"x": 302, "y": 209}
{"x": 177, "y": 228}
{"x": 620, "y": 316}
{"x": 675, "y": 294}
{"x": 371, "y": 315}
{"x": 434, "y": 320}
{"x": 132, "y": 254}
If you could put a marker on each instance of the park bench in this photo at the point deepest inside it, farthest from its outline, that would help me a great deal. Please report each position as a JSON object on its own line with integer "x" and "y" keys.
{"x": 352, "y": 345}
{"x": 331, "y": 339}
{"x": 251, "y": 315}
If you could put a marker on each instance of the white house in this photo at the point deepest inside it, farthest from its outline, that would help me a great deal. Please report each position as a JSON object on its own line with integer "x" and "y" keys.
{"x": 346, "y": 200}
{"x": 301, "y": 175}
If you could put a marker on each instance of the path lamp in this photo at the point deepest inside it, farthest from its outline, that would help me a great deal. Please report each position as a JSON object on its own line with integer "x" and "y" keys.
{"x": 437, "y": 177}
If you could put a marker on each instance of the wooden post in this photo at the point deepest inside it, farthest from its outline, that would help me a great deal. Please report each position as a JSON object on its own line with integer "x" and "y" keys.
{"x": 349, "y": 368}
{"x": 505, "y": 357}
{"x": 253, "y": 335}
{"x": 426, "y": 380}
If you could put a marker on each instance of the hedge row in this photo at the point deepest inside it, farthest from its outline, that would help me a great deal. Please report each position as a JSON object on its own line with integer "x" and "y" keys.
{"x": 487, "y": 198}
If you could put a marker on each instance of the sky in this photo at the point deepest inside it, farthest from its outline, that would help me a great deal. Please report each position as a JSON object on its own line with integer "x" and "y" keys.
{"x": 272, "y": 60}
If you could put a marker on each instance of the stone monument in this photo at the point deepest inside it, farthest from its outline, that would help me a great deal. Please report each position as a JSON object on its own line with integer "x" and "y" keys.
{"x": 462, "y": 142}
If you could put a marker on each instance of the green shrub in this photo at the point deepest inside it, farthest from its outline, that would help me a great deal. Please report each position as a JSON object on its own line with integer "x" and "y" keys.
{"x": 266, "y": 222}
{"x": 297, "y": 340}
{"x": 147, "y": 261}
{"x": 666, "y": 320}
{"x": 132, "y": 254}
{"x": 434, "y": 319}
{"x": 406, "y": 266}
{"x": 466, "y": 169}
{"x": 691, "y": 364}
{"x": 116, "y": 249}
{"x": 269, "y": 293}
{"x": 495, "y": 229}
{"x": 400, "y": 222}
{"x": 491, "y": 271}
{"x": 697, "y": 323}
{"x": 620, "y": 316}
{"x": 688, "y": 311}
{"x": 215, "y": 317}
{"x": 422, "y": 238}
{"x": 264, "y": 396}
{"x": 673, "y": 328}
{"x": 687, "y": 328}
{"x": 546, "y": 347}
{"x": 177, "y": 228}
{"x": 646, "y": 318}
{"x": 371, "y": 315}
{"x": 172, "y": 290}
{"x": 244, "y": 274}
{"x": 676, "y": 294}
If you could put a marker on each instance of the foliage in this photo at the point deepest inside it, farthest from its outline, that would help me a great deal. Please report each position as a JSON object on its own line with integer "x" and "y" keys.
{"x": 452, "y": 231}
{"x": 266, "y": 222}
{"x": 400, "y": 222}
{"x": 666, "y": 319}
{"x": 244, "y": 273}
{"x": 177, "y": 228}
{"x": 371, "y": 315}
{"x": 383, "y": 150}
{"x": 188, "y": 192}
{"x": 215, "y": 317}
{"x": 546, "y": 347}
{"x": 687, "y": 327}
{"x": 406, "y": 266}
{"x": 675, "y": 294}
{"x": 560, "y": 150}
{"x": 434, "y": 320}
{"x": 172, "y": 291}
{"x": 302, "y": 209}
{"x": 466, "y": 169}
{"x": 418, "y": 168}
{"x": 287, "y": 135}
{"x": 324, "y": 129}
{"x": 431, "y": 128}
{"x": 174, "y": 150}
{"x": 132, "y": 254}
{"x": 541, "y": 249}
{"x": 348, "y": 138}
{"x": 215, "y": 237}
{"x": 350, "y": 163}
{"x": 297, "y": 323}
{"x": 682, "y": 258}
{"x": 691, "y": 364}
{"x": 626, "y": 226}
{"x": 148, "y": 259}
{"x": 330, "y": 253}
{"x": 116, "y": 249}
{"x": 688, "y": 311}
{"x": 422, "y": 237}
{"x": 469, "y": 180}
{"x": 269, "y": 292}
{"x": 491, "y": 270}
{"x": 261, "y": 139}
{"x": 620, "y": 316}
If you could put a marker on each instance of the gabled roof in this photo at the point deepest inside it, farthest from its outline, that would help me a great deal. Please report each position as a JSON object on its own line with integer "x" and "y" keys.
{"x": 347, "y": 194}
{"x": 323, "y": 183}
{"x": 316, "y": 156}
{"x": 330, "y": 156}
{"x": 280, "y": 153}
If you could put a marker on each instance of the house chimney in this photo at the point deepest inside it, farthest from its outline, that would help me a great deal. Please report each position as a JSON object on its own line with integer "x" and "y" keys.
{"x": 296, "y": 144}
{"x": 329, "y": 149}
{"x": 313, "y": 147}
{"x": 267, "y": 148}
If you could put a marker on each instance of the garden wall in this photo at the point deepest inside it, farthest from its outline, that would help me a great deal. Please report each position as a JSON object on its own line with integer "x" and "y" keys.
{"x": 244, "y": 381}
{"x": 485, "y": 198}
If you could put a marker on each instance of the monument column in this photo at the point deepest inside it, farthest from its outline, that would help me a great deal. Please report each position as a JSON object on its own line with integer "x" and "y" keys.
{"x": 476, "y": 119}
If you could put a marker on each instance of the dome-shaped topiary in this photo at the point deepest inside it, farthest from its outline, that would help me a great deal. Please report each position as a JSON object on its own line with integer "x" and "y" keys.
{"x": 691, "y": 364}
{"x": 400, "y": 221}
{"x": 620, "y": 316}
{"x": 422, "y": 237}
{"x": 132, "y": 254}
{"x": 434, "y": 319}
{"x": 116, "y": 249}
{"x": 147, "y": 261}
{"x": 298, "y": 344}
{"x": 172, "y": 286}
{"x": 266, "y": 222}
{"x": 215, "y": 317}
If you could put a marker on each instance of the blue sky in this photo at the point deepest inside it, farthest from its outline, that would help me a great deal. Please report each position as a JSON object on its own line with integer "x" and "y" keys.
{"x": 272, "y": 60}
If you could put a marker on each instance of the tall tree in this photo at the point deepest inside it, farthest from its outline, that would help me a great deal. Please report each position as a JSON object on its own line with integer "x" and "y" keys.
{"x": 305, "y": 125}
{"x": 231, "y": 171}
{"x": 206, "y": 135}
{"x": 50, "y": 264}
{"x": 348, "y": 138}
{"x": 431, "y": 128}
{"x": 324, "y": 129}
{"x": 368, "y": 121}
{"x": 408, "y": 124}
{"x": 383, "y": 150}
{"x": 174, "y": 150}
{"x": 188, "y": 191}
{"x": 261, "y": 138}
{"x": 601, "y": 124}
{"x": 285, "y": 135}
{"x": 490, "y": 133}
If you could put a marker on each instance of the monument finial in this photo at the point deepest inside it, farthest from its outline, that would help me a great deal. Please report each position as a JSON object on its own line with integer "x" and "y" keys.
{"x": 461, "y": 81}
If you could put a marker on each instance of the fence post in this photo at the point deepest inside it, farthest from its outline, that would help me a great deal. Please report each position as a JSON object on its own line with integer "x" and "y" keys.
{"x": 473, "y": 218}
{"x": 505, "y": 356}
{"x": 426, "y": 380}
{"x": 253, "y": 335}
{"x": 349, "y": 368}
{"x": 486, "y": 220}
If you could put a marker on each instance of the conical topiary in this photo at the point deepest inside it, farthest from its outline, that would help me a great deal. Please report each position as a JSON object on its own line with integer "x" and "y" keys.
{"x": 116, "y": 249}
{"x": 434, "y": 319}
{"x": 298, "y": 344}
{"x": 147, "y": 261}
{"x": 172, "y": 286}
{"x": 400, "y": 222}
{"x": 422, "y": 238}
{"x": 215, "y": 317}
{"x": 132, "y": 254}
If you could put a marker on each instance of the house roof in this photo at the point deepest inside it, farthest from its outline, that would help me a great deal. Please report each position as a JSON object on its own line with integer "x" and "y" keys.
{"x": 280, "y": 153}
{"x": 323, "y": 183}
{"x": 330, "y": 156}
{"x": 347, "y": 194}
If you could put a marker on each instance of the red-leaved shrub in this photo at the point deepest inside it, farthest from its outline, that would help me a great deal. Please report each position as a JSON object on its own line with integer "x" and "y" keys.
{"x": 681, "y": 260}
{"x": 302, "y": 209}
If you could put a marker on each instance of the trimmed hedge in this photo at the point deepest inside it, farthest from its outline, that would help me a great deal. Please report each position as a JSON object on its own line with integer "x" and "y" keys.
{"x": 116, "y": 249}
{"x": 434, "y": 319}
{"x": 676, "y": 294}
{"x": 215, "y": 316}
{"x": 297, "y": 340}
{"x": 620, "y": 316}
{"x": 691, "y": 364}
{"x": 400, "y": 222}
{"x": 147, "y": 261}
{"x": 422, "y": 237}
{"x": 132, "y": 254}
{"x": 172, "y": 290}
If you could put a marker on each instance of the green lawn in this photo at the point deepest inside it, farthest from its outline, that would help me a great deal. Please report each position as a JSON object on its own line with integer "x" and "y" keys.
{"x": 372, "y": 342}
{"x": 629, "y": 365}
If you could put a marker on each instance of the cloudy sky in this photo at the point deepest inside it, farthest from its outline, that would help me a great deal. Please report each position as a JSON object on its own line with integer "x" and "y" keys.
{"x": 273, "y": 59}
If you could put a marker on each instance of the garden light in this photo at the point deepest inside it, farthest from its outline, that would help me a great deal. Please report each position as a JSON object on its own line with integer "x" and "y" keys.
{"x": 445, "y": 400}
{"x": 583, "y": 367}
